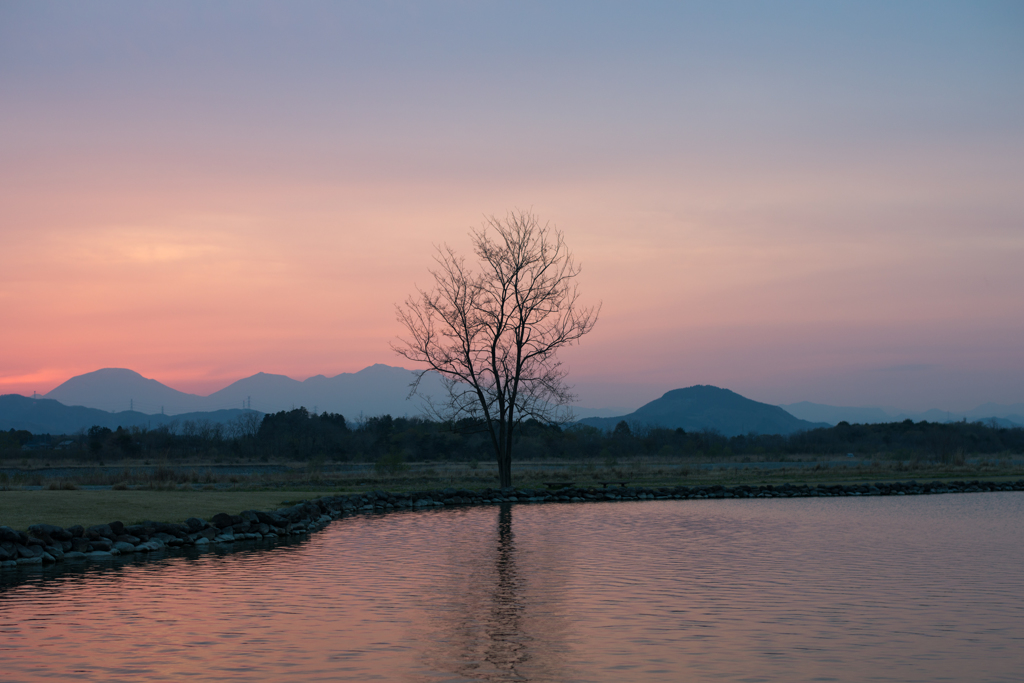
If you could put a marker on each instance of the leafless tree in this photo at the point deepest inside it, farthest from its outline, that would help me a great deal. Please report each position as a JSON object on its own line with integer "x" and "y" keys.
{"x": 246, "y": 425}
{"x": 493, "y": 332}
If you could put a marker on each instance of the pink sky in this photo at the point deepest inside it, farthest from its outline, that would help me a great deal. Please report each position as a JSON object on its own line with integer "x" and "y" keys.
{"x": 783, "y": 212}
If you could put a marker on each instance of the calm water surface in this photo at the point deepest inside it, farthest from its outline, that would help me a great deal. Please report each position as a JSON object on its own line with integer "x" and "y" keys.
{"x": 923, "y": 588}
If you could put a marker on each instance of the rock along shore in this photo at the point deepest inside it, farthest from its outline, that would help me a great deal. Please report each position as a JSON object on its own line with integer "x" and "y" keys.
{"x": 47, "y": 543}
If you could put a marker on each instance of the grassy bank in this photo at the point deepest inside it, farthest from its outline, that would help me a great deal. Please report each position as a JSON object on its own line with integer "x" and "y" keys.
{"x": 655, "y": 474}
{"x": 251, "y": 475}
{"x": 19, "y": 509}
{"x": 174, "y": 494}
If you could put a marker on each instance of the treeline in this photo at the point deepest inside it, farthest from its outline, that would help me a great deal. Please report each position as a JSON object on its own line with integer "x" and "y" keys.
{"x": 301, "y": 435}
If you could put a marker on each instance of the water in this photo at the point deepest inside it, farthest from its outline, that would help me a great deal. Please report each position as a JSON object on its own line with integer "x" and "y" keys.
{"x": 915, "y": 588}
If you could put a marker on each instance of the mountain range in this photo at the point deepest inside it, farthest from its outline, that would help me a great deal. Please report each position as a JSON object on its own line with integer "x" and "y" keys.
{"x": 114, "y": 397}
{"x": 706, "y": 407}
{"x": 46, "y": 416}
{"x": 117, "y": 396}
{"x": 376, "y": 390}
{"x": 1002, "y": 415}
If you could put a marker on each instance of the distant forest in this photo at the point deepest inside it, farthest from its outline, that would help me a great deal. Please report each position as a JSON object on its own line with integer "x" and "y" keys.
{"x": 301, "y": 435}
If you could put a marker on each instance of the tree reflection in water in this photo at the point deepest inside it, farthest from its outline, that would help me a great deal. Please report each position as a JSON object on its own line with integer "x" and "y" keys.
{"x": 502, "y": 621}
{"x": 509, "y": 644}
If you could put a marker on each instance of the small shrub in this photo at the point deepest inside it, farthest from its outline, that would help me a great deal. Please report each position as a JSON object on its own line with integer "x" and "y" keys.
{"x": 392, "y": 463}
{"x": 162, "y": 474}
{"x": 120, "y": 486}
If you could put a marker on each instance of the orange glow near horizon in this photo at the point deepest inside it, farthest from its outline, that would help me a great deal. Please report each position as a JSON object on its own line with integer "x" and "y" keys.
{"x": 199, "y": 299}
{"x": 786, "y": 219}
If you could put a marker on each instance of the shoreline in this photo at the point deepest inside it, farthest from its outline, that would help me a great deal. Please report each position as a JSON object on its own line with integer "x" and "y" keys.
{"x": 48, "y": 545}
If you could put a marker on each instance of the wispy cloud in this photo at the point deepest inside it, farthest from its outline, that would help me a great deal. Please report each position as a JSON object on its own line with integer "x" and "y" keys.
{"x": 146, "y": 246}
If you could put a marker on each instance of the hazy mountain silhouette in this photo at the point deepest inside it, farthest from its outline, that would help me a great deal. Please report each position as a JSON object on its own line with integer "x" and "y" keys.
{"x": 383, "y": 389}
{"x": 817, "y": 412}
{"x": 707, "y": 407}
{"x": 1013, "y": 412}
{"x": 1002, "y": 415}
{"x": 375, "y": 390}
{"x": 47, "y": 416}
{"x": 118, "y": 389}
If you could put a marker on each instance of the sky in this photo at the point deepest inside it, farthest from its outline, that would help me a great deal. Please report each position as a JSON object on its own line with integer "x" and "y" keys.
{"x": 793, "y": 200}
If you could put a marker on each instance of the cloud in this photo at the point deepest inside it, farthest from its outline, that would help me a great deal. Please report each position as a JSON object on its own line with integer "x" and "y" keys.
{"x": 146, "y": 246}
{"x": 44, "y": 378}
{"x": 157, "y": 252}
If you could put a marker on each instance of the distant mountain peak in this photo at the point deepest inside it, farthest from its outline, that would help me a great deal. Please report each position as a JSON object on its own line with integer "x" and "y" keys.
{"x": 700, "y": 389}
{"x": 118, "y": 389}
{"x": 381, "y": 366}
{"x": 375, "y": 390}
{"x": 113, "y": 372}
{"x": 704, "y": 406}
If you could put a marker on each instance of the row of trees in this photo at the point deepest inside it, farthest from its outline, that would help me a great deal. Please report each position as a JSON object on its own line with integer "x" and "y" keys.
{"x": 301, "y": 435}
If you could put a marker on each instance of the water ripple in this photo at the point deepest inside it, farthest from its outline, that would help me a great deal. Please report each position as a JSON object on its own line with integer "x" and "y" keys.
{"x": 845, "y": 589}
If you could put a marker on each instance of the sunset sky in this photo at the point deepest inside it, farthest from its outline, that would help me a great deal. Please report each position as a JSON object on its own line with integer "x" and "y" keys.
{"x": 796, "y": 201}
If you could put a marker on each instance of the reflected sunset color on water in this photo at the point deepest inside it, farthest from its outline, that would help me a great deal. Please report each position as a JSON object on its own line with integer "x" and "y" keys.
{"x": 845, "y": 589}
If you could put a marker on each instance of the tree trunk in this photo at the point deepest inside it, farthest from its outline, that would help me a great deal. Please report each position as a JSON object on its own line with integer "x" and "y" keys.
{"x": 505, "y": 470}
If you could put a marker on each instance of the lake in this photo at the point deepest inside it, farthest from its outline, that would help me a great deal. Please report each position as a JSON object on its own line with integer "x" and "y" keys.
{"x": 896, "y": 588}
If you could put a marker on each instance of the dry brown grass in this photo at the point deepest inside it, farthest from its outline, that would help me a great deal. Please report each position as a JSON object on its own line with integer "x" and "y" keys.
{"x": 19, "y": 509}
{"x": 164, "y": 501}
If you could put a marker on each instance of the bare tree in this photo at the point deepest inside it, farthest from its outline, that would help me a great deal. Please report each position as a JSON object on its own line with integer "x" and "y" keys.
{"x": 246, "y": 425}
{"x": 493, "y": 332}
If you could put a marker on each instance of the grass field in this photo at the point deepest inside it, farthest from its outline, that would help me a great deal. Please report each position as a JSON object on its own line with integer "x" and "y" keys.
{"x": 19, "y": 509}
{"x": 170, "y": 495}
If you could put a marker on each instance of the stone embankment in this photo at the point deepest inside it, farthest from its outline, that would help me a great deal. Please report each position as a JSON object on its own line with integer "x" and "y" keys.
{"x": 46, "y": 543}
